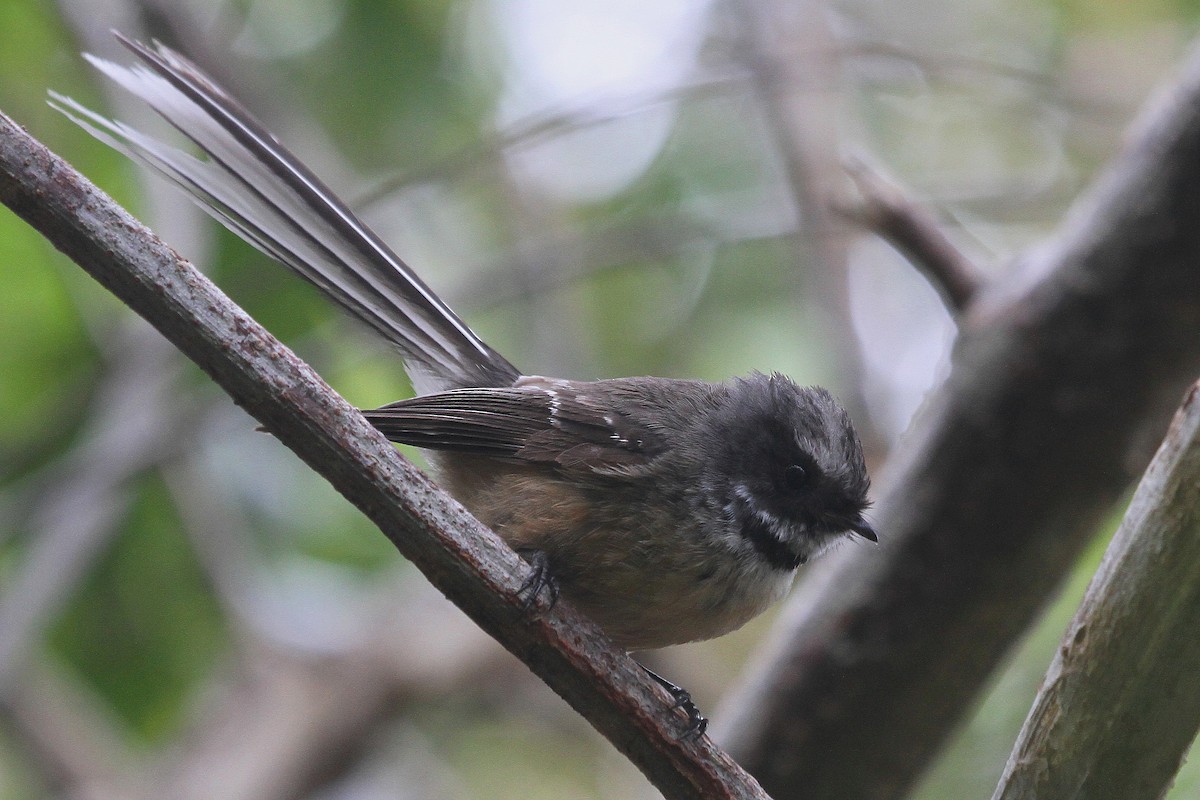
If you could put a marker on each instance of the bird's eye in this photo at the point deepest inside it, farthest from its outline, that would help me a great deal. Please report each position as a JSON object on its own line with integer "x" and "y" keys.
{"x": 795, "y": 477}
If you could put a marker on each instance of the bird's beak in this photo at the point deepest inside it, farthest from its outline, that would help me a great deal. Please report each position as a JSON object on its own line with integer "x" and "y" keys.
{"x": 863, "y": 528}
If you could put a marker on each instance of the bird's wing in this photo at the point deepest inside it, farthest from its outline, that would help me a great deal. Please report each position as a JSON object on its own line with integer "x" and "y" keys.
{"x": 547, "y": 421}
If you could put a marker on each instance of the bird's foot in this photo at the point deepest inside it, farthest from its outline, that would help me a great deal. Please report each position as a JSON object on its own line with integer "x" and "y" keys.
{"x": 697, "y": 722}
{"x": 539, "y": 580}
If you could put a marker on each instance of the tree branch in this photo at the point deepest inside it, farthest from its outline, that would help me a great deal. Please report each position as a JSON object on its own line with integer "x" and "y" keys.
{"x": 465, "y": 560}
{"x": 1062, "y": 375}
{"x": 884, "y": 209}
{"x": 1120, "y": 704}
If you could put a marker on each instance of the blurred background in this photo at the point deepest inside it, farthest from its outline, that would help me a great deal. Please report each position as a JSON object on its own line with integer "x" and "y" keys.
{"x": 601, "y": 188}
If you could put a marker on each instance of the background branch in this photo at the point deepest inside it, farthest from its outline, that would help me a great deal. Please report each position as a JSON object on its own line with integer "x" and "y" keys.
{"x": 1120, "y": 705}
{"x": 789, "y": 49}
{"x": 462, "y": 558}
{"x": 913, "y": 230}
{"x": 1063, "y": 376}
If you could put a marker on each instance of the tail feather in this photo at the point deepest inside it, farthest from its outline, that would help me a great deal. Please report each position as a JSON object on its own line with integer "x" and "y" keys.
{"x": 252, "y": 184}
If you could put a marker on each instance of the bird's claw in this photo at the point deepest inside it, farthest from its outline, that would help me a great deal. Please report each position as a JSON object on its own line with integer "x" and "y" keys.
{"x": 697, "y": 722}
{"x": 540, "y": 578}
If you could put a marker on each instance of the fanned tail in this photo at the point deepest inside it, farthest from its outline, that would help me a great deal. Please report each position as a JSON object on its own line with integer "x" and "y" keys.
{"x": 254, "y": 186}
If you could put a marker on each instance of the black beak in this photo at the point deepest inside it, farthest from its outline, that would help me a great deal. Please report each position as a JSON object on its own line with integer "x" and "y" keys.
{"x": 863, "y": 528}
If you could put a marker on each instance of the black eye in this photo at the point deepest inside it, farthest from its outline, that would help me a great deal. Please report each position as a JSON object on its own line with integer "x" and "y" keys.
{"x": 795, "y": 477}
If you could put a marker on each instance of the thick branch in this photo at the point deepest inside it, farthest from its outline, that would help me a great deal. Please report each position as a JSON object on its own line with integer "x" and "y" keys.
{"x": 1120, "y": 704}
{"x": 1062, "y": 377}
{"x": 466, "y": 561}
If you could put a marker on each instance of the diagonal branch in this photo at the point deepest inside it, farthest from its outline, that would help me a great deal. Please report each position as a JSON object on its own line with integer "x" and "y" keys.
{"x": 913, "y": 230}
{"x": 1063, "y": 374}
{"x": 465, "y": 560}
{"x": 1127, "y": 664}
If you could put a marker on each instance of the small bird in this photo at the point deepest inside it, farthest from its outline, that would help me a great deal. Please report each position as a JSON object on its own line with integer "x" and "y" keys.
{"x": 667, "y": 510}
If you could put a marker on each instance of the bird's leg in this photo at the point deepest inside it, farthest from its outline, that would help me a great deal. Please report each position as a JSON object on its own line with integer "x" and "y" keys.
{"x": 697, "y": 723}
{"x": 540, "y": 577}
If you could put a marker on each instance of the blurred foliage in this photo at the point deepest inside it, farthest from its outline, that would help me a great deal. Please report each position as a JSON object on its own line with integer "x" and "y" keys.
{"x": 997, "y": 112}
{"x": 144, "y": 626}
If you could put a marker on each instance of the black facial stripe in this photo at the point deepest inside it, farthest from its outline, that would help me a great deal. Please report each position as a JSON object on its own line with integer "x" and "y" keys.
{"x": 776, "y": 553}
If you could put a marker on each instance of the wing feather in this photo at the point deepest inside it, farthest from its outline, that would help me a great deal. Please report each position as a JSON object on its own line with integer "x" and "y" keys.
{"x": 545, "y": 422}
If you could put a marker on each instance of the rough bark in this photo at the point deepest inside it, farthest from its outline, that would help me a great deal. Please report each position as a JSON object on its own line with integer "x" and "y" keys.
{"x": 1120, "y": 705}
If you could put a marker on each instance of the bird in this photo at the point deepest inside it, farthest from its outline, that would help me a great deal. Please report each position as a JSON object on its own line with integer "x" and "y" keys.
{"x": 668, "y": 510}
